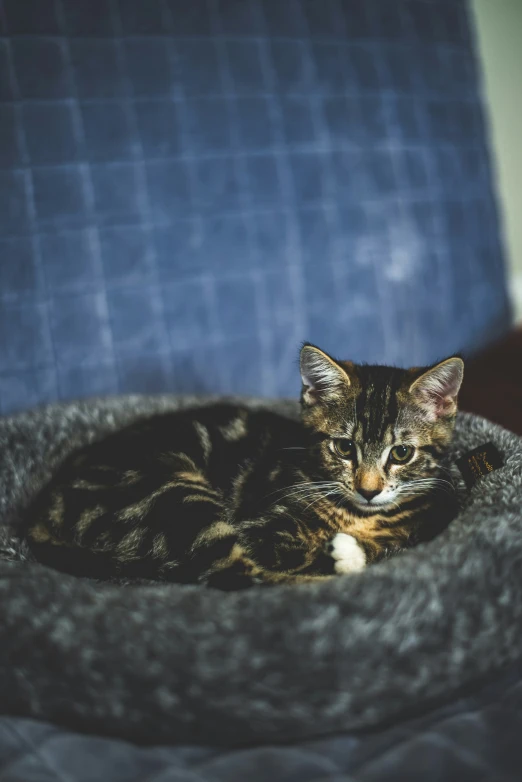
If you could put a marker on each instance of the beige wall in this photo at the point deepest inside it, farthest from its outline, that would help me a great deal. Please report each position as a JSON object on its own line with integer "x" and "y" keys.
{"x": 499, "y": 30}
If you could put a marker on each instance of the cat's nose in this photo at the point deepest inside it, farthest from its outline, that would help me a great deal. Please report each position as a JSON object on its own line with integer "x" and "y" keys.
{"x": 369, "y": 495}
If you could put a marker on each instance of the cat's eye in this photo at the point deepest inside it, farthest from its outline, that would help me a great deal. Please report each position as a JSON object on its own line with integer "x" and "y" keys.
{"x": 344, "y": 447}
{"x": 400, "y": 454}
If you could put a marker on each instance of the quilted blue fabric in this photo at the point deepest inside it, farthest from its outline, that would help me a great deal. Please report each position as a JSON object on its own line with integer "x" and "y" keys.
{"x": 189, "y": 189}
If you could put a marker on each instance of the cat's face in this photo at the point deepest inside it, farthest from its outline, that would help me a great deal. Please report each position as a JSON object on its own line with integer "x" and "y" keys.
{"x": 381, "y": 431}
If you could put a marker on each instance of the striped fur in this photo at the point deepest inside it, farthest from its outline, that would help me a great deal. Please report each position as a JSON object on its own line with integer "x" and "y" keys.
{"x": 230, "y": 496}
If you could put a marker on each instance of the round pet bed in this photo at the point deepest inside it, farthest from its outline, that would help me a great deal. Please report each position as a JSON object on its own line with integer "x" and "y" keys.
{"x": 167, "y": 663}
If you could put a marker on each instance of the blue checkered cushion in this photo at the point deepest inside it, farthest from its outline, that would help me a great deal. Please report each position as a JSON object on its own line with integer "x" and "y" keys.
{"x": 189, "y": 189}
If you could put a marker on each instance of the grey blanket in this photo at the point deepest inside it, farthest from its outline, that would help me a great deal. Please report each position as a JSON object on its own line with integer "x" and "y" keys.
{"x": 172, "y": 663}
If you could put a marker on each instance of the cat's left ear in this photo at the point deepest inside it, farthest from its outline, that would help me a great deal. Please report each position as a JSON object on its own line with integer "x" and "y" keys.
{"x": 436, "y": 390}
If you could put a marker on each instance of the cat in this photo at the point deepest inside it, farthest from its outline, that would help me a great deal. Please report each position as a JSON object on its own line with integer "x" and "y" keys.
{"x": 230, "y": 496}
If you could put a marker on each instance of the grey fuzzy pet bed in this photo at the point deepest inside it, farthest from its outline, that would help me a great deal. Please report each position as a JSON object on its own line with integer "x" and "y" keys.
{"x": 175, "y": 663}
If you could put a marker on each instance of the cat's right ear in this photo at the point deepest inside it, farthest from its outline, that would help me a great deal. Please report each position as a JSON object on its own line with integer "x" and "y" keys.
{"x": 436, "y": 390}
{"x": 324, "y": 380}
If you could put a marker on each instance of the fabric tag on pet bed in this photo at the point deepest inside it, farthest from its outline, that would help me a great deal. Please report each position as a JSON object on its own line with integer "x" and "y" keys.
{"x": 479, "y": 462}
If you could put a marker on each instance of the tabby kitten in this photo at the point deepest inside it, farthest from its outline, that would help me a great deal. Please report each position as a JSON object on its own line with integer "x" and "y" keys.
{"x": 229, "y": 496}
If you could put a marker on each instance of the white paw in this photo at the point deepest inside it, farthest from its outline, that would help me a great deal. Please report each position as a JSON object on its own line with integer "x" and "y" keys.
{"x": 348, "y": 555}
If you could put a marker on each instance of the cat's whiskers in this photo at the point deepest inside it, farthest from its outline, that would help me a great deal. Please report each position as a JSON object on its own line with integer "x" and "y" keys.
{"x": 418, "y": 485}
{"x": 306, "y": 489}
{"x": 303, "y": 485}
{"x": 323, "y": 496}
{"x": 447, "y": 471}
{"x": 433, "y": 482}
{"x": 303, "y": 496}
